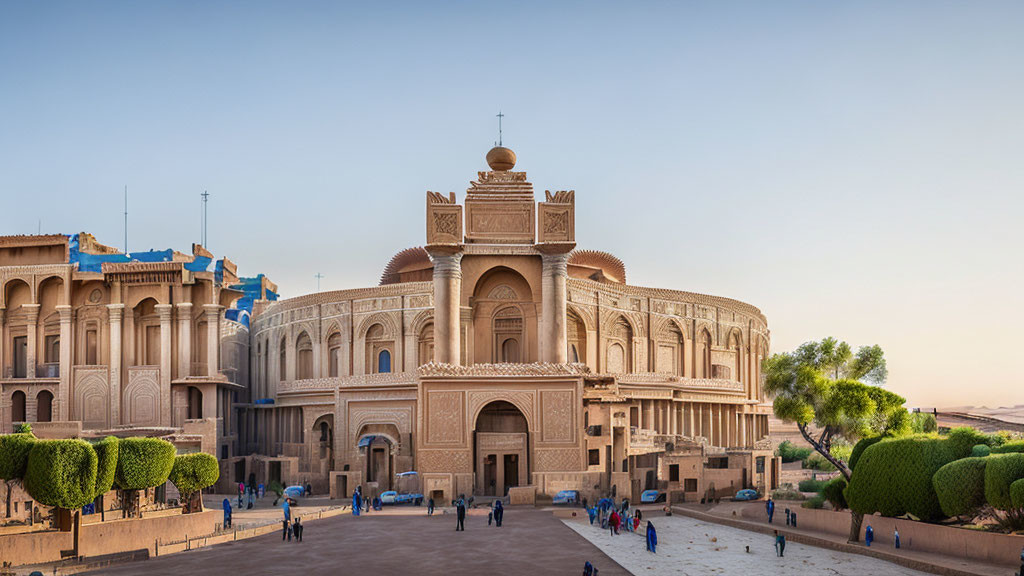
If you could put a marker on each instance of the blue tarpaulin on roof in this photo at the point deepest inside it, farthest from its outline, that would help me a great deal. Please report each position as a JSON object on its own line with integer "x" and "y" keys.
{"x": 366, "y": 441}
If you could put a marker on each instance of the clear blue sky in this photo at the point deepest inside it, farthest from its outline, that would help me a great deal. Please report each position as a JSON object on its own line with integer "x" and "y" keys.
{"x": 853, "y": 168}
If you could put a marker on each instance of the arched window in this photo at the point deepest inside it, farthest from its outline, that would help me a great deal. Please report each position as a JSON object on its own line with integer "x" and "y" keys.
{"x": 620, "y": 346}
{"x": 510, "y": 351}
{"x": 576, "y": 337}
{"x": 44, "y": 406}
{"x": 384, "y": 362}
{"x": 426, "y": 344}
{"x": 616, "y": 358}
{"x": 334, "y": 354}
{"x": 378, "y": 341}
{"x": 705, "y": 354}
{"x": 304, "y": 357}
{"x": 18, "y": 406}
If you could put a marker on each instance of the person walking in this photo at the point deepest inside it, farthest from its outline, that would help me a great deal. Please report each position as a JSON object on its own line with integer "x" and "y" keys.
{"x": 896, "y": 538}
{"x": 613, "y": 522}
{"x": 652, "y": 538}
{"x": 430, "y": 507}
{"x": 226, "y": 505}
{"x": 287, "y": 521}
{"x": 869, "y": 535}
{"x": 357, "y": 502}
{"x": 769, "y": 508}
{"x": 780, "y": 544}
{"x": 499, "y": 512}
{"x": 460, "y": 514}
{"x": 297, "y": 528}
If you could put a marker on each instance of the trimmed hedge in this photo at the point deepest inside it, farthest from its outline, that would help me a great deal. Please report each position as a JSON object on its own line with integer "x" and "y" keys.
{"x": 894, "y": 477}
{"x": 106, "y": 453}
{"x": 62, "y": 473}
{"x": 143, "y": 463}
{"x": 964, "y": 439}
{"x": 193, "y": 472}
{"x": 14, "y": 450}
{"x": 791, "y": 452}
{"x": 1009, "y": 448}
{"x": 1017, "y": 493}
{"x": 860, "y": 447}
{"x": 960, "y": 486}
{"x": 1001, "y": 471}
{"x": 980, "y": 451}
{"x": 835, "y": 493}
{"x": 817, "y": 502}
{"x": 811, "y": 485}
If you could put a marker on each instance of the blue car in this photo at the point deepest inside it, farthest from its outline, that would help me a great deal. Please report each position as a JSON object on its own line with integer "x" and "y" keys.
{"x": 407, "y": 494}
{"x": 651, "y": 496}
{"x": 746, "y": 494}
{"x": 566, "y": 497}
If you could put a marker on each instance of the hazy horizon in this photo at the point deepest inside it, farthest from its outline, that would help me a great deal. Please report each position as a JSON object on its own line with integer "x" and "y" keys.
{"x": 853, "y": 170}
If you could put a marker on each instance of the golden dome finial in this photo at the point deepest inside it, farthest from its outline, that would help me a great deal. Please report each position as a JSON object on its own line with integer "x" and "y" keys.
{"x": 501, "y": 159}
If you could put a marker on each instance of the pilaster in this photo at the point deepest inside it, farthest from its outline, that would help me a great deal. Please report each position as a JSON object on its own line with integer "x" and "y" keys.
{"x": 184, "y": 313}
{"x": 213, "y": 312}
{"x": 554, "y": 339}
{"x": 32, "y": 310}
{"x": 116, "y": 312}
{"x": 63, "y": 409}
{"x": 165, "y": 312}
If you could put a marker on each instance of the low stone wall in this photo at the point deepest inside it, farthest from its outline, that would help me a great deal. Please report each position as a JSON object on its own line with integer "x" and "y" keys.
{"x": 946, "y": 540}
{"x": 522, "y": 496}
{"x": 111, "y": 537}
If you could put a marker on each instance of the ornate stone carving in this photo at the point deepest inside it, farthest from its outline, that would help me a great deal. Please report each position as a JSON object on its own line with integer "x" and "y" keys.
{"x": 444, "y": 417}
{"x": 518, "y": 398}
{"x": 141, "y": 396}
{"x": 450, "y": 461}
{"x": 91, "y": 395}
{"x": 558, "y": 460}
{"x": 557, "y": 408}
{"x": 503, "y": 292}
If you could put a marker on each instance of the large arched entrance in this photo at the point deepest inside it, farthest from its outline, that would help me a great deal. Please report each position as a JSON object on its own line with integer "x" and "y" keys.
{"x": 502, "y": 449}
{"x": 378, "y": 447}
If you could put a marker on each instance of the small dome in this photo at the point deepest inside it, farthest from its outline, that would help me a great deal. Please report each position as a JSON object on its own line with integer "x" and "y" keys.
{"x": 501, "y": 159}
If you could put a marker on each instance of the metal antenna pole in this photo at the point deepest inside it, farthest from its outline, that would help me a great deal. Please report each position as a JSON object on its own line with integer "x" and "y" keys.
{"x": 318, "y": 276}
{"x": 206, "y": 196}
{"x": 500, "y": 116}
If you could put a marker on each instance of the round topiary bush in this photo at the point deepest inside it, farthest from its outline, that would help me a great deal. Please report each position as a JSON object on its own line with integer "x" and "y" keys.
{"x": 894, "y": 477}
{"x": 143, "y": 463}
{"x": 835, "y": 493}
{"x": 980, "y": 451}
{"x": 960, "y": 486}
{"x": 964, "y": 439}
{"x": 193, "y": 472}
{"x": 1000, "y": 471}
{"x": 62, "y": 473}
{"x": 860, "y": 447}
{"x": 106, "y": 454}
{"x": 14, "y": 449}
{"x": 1017, "y": 493}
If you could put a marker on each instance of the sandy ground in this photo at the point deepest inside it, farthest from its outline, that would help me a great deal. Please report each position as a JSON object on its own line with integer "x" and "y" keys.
{"x": 691, "y": 547}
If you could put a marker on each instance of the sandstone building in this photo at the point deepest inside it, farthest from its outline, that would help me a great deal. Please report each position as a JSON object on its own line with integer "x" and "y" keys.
{"x": 501, "y": 357}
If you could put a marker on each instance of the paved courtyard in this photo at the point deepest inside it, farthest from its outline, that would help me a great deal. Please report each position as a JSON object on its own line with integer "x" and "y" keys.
{"x": 691, "y": 547}
{"x": 529, "y": 542}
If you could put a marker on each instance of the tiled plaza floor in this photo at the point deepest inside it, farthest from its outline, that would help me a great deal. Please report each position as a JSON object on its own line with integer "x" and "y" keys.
{"x": 529, "y": 542}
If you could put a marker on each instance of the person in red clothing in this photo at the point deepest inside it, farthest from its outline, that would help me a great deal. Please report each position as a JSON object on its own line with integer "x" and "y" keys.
{"x": 613, "y": 522}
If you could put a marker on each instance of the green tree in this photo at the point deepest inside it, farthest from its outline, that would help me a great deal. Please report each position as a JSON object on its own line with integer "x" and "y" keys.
{"x": 106, "y": 454}
{"x": 191, "y": 473}
{"x": 141, "y": 463}
{"x": 14, "y": 450}
{"x": 827, "y": 385}
{"x": 62, "y": 474}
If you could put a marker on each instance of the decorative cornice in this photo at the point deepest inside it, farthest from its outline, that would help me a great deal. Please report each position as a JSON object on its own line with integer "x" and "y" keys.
{"x": 434, "y": 369}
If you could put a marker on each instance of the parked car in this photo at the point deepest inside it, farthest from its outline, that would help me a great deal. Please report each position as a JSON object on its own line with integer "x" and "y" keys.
{"x": 407, "y": 493}
{"x": 567, "y": 497}
{"x": 651, "y": 497}
{"x": 747, "y": 494}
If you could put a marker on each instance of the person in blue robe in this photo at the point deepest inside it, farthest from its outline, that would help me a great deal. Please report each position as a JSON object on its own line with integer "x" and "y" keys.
{"x": 592, "y": 513}
{"x": 499, "y": 512}
{"x": 226, "y": 505}
{"x": 869, "y": 535}
{"x": 652, "y": 538}
{"x": 357, "y": 502}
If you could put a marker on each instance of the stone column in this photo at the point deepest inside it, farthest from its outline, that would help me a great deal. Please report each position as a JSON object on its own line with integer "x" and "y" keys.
{"x": 164, "y": 310}
{"x": 184, "y": 339}
{"x": 115, "y": 311}
{"x": 212, "y": 338}
{"x": 32, "y": 310}
{"x": 447, "y": 307}
{"x": 63, "y": 411}
{"x": 555, "y": 272}
{"x": 3, "y": 338}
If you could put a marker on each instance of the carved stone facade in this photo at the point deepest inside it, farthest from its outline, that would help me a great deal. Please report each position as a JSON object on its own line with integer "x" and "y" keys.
{"x": 498, "y": 356}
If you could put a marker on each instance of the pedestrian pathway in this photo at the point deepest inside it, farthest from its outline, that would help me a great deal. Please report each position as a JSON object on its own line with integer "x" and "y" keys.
{"x": 728, "y": 512}
{"x": 692, "y": 547}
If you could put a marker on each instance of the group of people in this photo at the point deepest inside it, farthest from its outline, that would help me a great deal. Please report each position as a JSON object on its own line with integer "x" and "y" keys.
{"x": 612, "y": 518}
